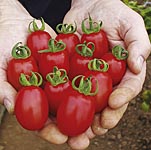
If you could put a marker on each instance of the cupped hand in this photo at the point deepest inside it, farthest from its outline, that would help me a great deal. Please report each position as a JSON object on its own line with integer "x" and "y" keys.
{"x": 14, "y": 23}
{"x": 123, "y": 27}
{"x": 13, "y": 30}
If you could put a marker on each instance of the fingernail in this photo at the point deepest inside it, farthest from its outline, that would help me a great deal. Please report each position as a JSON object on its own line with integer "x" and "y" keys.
{"x": 8, "y": 105}
{"x": 140, "y": 61}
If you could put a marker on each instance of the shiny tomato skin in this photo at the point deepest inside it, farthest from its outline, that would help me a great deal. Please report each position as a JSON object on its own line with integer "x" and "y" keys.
{"x": 78, "y": 65}
{"x": 56, "y": 94}
{"x": 104, "y": 88}
{"x": 48, "y": 60}
{"x": 75, "y": 114}
{"x": 31, "y": 108}
{"x": 100, "y": 41}
{"x": 16, "y": 67}
{"x": 38, "y": 40}
{"x": 71, "y": 40}
{"x": 117, "y": 68}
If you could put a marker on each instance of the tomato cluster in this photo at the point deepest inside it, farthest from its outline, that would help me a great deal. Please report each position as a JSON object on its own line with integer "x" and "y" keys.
{"x": 68, "y": 77}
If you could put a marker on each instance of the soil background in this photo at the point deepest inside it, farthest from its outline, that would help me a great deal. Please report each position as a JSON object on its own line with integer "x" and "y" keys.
{"x": 133, "y": 132}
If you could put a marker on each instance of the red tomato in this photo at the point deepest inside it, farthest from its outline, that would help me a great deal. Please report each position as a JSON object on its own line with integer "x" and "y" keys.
{"x": 31, "y": 108}
{"x": 104, "y": 87}
{"x": 56, "y": 86}
{"x": 97, "y": 36}
{"x": 19, "y": 65}
{"x": 38, "y": 40}
{"x": 117, "y": 66}
{"x": 67, "y": 35}
{"x": 75, "y": 114}
{"x": 79, "y": 61}
{"x": 54, "y": 56}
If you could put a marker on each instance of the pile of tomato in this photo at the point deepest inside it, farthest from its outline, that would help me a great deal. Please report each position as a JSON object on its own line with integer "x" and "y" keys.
{"x": 69, "y": 77}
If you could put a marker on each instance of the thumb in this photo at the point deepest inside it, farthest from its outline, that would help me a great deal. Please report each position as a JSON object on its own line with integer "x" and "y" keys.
{"x": 138, "y": 45}
{"x": 7, "y": 94}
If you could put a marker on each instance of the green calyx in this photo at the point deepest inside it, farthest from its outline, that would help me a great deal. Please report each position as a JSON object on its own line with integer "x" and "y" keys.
{"x": 98, "y": 65}
{"x": 66, "y": 28}
{"x": 93, "y": 26}
{"x": 20, "y": 51}
{"x": 34, "y": 80}
{"x": 58, "y": 76}
{"x": 54, "y": 46}
{"x": 85, "y": 85}
{"x": 119, "y": 52}
{"x": 85, "y": 49}
{"x": 35, "y": 26}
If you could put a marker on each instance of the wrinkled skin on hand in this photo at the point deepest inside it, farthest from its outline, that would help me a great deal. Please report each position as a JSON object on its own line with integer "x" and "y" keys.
{"x": 14, "y": 20}
{"x": 118, "y": 23}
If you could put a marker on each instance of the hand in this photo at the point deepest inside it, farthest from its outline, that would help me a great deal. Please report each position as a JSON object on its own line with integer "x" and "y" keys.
{"x": 118, "y": 22}
{"x": 13, "y": 29}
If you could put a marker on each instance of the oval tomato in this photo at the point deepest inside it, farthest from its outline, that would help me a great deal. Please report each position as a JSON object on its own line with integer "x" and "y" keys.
{"x": 31, "y": 107}
{"x": 97, "y": 36}
{"x": 75, "y": 114}
{"x": 117, "y": 64}
{"x": 104, "y": 81}
{"x": 56, "y": 55}
{"x": 20, "y": 64}
{"x": 56, "y": 86}
{"x": 68, "y": 36}
{"x": 38, "y": 39}
{"x": 79, "y": 61}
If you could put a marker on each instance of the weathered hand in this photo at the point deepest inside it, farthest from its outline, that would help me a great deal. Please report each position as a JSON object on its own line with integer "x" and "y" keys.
{"x": 14, "y": 20}
{"x": 118, "y": 23}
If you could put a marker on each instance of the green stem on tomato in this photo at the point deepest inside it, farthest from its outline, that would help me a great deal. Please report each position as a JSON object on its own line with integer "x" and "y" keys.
{"x": 84, "y": 50}
{"x": 35, "y": 79}
{"x": 98, "y": 65}
{"x": 66, "y": 28}
{"x": 54, "y": 46}
{"x": 93, "y": 26}
{"x": 35, "y": 26}
{"x": 119, "y": 52}
{"x": 85, "y": 85}
{"x": 20, "y": 51}
{"x": 58, "y": 76}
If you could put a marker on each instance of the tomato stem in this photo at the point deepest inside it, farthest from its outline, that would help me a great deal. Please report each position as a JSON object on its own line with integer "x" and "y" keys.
{"x": 84, "y": 50}
{"x": 58, "y": 76}
{"x": 20, "y": 51}
{"x": 98, "y": 65}
{"x": 66, "y": 28}
{"x": 35, "y": 79}
{"x": 119, "y": 52}
{"x": 35, "y": 26}
{"x": 93, "y": 26}
{"x": 54, "y": 46}
{"x": 85, "y": 85}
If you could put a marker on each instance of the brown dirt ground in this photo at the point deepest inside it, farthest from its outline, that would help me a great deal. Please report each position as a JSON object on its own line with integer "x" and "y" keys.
{"x": 132, "y": 132}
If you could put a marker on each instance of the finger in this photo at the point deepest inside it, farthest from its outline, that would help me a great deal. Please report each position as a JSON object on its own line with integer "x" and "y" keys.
{"x": 110, "y": 117}
{"x": 90, "y": 134}
{"x": 47, "y": 28}
{"x": 50, "y": 31}
{"x": 79, "y": 142}
{"x": 52, "y": 134}
{"x": 96, "y": 126}
{"x": 129, "y": 87}
{"x": 137, "y": 41}
{"x": 7, "y": 96}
